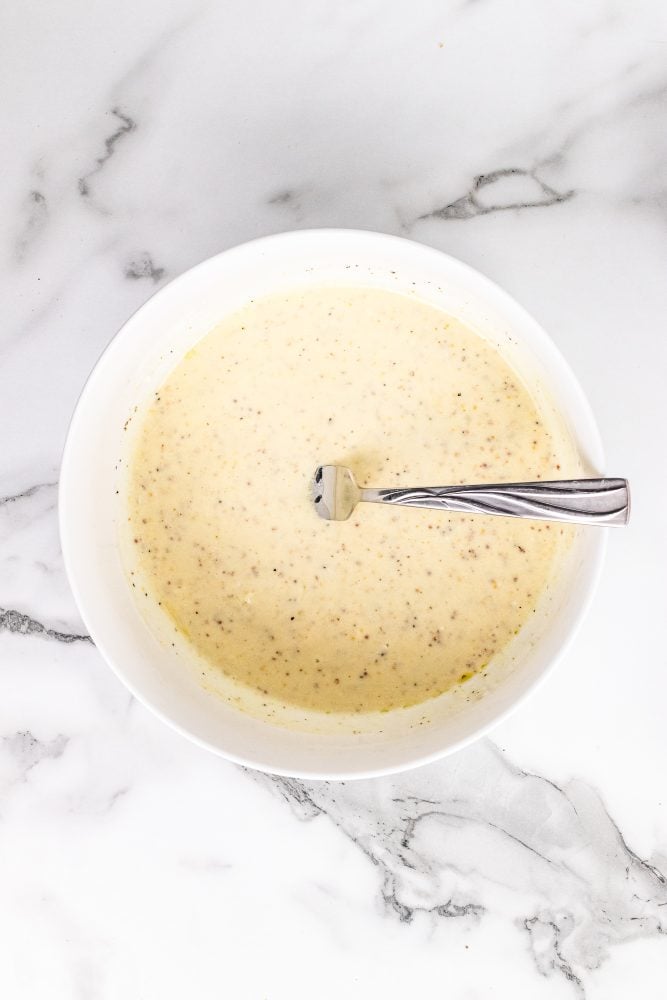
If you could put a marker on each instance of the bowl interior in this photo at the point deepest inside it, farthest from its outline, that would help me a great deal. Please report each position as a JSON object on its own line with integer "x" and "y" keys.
{"x": 136, "y": 363}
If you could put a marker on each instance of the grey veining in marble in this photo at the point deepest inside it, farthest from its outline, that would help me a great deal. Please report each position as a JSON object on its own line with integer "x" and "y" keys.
{"x": 142, "y": 266}
{"x": 124, "y": 125}
{"x": 15, "y": 621}
{"x": 27, "y": 751}
{"x": 509, "y": 189}
{"x": 450, "y": 839}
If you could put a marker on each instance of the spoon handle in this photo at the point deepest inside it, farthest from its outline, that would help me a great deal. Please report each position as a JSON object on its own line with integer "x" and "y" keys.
{"x": 578, "y": 501}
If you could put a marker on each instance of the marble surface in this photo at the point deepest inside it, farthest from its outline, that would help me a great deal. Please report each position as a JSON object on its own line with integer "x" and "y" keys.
{"x": 526, "y": 138}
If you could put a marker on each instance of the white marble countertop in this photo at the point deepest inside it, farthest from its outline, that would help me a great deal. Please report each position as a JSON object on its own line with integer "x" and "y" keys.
{"x": 526, "y": 138}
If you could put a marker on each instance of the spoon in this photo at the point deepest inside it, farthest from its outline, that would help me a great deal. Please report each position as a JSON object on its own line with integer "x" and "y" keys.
{"x": 578, "y": 501}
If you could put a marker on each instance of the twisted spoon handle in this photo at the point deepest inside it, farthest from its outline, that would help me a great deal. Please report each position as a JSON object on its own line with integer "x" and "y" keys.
{"x": 578, "y": 501}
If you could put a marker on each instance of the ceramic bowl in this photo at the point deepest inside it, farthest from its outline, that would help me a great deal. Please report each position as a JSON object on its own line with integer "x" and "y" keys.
{"x": 137, "y": 361}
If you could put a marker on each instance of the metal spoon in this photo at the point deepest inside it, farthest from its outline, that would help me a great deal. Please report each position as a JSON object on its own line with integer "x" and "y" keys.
{"x": 578, "y": 501}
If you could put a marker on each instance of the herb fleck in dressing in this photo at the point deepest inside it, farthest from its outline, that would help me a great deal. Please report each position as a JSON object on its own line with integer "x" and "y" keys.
{"x": 394, "y": 606}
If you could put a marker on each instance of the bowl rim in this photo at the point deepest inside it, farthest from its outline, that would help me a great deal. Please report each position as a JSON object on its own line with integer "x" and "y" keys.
{"x": 67, "y": 474}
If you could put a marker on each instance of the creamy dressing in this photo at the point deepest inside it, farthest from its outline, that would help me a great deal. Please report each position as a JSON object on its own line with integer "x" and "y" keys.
{"x": 394, "y": 606}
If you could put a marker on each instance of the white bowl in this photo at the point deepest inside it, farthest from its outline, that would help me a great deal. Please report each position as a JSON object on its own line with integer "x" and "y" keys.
{"x": 135, "y": 364}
